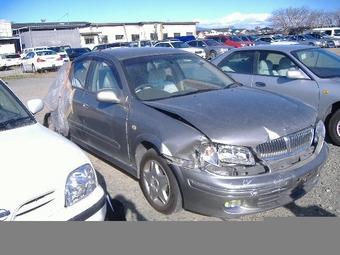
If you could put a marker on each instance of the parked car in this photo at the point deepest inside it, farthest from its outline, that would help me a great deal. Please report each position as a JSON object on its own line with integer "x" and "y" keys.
{"x": 331, "y": 41}
{"x": 182, "y": 46}
{"x": 109, "y": 45}
{"x": 140, "y": 43}
{"x": 230, "y": 40}
{"x": 273, "y": 40}
{"x": 192, "y": 136}
{"x": 211, "y": 47}
{"x": 25, "y": 51}
{"x": 247, "y": 38}
{"x": 307, "y": 40}
{"x": 8, "y": 60}
{"x": 61, "y": 51}
{"x": 76, "y": 52}
{"x": 45, "y": 177}
{"x": 257, "y": 40}
{"x": 41, "y": 60}
{"x": 305, "y": 72}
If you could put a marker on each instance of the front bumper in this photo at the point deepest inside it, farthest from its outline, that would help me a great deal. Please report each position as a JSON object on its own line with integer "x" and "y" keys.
{"x": 206, "y": 194}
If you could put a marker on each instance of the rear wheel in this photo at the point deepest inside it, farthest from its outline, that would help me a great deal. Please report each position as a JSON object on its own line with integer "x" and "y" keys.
{"x": 22, "y": 68}
{"x": 159, "y": 185}
{"x": 334, "y": 127}
{"x": 212, "y": 54}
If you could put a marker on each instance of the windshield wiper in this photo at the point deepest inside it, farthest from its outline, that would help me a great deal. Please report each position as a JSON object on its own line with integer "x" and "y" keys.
{"x": 4, "y": 124}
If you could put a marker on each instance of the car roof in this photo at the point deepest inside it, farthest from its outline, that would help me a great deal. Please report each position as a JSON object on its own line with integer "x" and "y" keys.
{"x": 279, "y": 47}
{"x": 125, "y": 53}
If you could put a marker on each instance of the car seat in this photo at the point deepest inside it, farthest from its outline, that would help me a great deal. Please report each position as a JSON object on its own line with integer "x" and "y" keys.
{"x": 157, "y": 78}
{"x": 284, "y": 65}
{"x": 266, "y": 68}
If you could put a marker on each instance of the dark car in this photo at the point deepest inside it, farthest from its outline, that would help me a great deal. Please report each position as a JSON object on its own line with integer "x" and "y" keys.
{"x": 211, "y": 47}
{"x": 308, "y": 73}
{"x": 192, "y": 136}
{"x": 76, "y": 52}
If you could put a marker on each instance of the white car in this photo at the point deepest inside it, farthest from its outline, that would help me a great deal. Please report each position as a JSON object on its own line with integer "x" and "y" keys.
{"x": 182, "y": 46}
{"x": 44, "y": 176}
{"x": 41, "y": 60}
{"x": 8, "y": 60}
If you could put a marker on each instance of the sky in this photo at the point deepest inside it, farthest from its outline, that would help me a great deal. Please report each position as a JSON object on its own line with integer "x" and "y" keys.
{"x": 210, "y": 14}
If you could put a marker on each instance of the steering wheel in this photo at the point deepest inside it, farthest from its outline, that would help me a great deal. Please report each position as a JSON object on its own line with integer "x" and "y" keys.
{"x": 143, "y": 87}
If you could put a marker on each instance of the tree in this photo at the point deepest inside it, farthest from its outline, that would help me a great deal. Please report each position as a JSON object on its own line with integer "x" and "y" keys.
{"x": 297, "y": 19}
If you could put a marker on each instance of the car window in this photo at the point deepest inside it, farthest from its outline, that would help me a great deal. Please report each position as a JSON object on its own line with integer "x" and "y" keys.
{"x": 321, "y": 62}
{"x": 238, "y": 62}
{"x": 78, "y": 73}
{"x": 102, "y": 77}
{"x": 273, "y": 64}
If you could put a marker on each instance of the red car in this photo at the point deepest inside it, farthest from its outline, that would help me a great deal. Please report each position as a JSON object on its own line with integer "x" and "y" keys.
{"x": 231, "y": 40}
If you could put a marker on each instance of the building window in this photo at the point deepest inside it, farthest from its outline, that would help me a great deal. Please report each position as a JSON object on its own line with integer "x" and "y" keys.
{"x": 165, "y": 35}
{"x": 189, "y": 33}
{"x": 104, "y": 39}
{"x": 134, "y": 37}
{"x": 119, "y": 37}
{"x": 89, "y": 40}
{"x": 177, "y": 34}
{"x": 153, "y": 36}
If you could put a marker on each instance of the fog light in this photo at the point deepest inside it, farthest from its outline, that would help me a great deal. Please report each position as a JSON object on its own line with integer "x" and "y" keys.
{"x": 233, "y": 204}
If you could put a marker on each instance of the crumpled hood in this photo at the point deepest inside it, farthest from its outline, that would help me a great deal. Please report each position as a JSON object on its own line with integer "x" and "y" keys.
{"x": 34, "y": 161}
{"x": 240, "y": 116}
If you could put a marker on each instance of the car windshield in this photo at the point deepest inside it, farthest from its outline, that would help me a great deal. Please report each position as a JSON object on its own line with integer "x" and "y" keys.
{"x": 321, "y": 62}
{"x": 235, "y": 38}
{"x": 180, "y": 45}
{"x": 212, "y": 42}
{"x": 12, "y": 113}
{"x": 309, "y": 37}
{"x": 172, "y": 75}
{"x": 45, "y": 52}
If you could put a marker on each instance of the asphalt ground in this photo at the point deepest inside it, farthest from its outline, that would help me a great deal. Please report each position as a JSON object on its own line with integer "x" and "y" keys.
{"x": 322, "y": 201}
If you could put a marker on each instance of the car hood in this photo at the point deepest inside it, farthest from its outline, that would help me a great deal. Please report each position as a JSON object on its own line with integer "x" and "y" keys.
{"x": 34, "y": 161}
{"x": 240, "y": 116}
{"x": 192, "y": 49}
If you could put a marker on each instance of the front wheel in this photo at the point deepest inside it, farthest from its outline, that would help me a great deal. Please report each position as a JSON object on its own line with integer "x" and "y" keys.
{"x": 22, "y": 68}
{"x": 334, "y": 127}
{"x": 34, "y": 70}
{"x": 212, "y": 54}
{"x": 159, "y": 185}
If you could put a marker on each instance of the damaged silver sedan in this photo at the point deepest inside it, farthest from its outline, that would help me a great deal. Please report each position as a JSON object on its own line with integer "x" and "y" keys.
{"x": 192, "y": 136}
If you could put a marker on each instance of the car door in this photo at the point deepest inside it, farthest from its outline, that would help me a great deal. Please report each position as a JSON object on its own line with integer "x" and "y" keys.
{"x": 275, "y": 80}
{"x": 103, "y": 123}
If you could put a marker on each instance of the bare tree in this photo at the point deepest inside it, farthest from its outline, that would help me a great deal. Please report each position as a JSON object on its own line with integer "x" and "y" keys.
{"x": 296, "y": 19}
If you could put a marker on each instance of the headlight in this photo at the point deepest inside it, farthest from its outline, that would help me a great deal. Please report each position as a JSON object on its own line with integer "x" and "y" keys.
{"x": 228, "y": 154}
{"x": 79, "y": 184}
{"x": 320, "y": 131}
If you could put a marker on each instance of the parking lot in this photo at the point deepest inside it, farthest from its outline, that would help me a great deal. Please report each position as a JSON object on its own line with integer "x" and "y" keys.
{"x": 322, "y": 201}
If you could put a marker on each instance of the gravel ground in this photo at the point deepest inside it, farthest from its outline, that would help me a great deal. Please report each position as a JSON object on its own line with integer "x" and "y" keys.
{"x": 322, "y": 201}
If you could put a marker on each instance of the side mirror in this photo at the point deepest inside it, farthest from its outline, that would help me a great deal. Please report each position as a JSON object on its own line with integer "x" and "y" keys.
{"x": 108, "y": 96}
{"x": 295, "y": 74}
{"x": 35, "y": 105}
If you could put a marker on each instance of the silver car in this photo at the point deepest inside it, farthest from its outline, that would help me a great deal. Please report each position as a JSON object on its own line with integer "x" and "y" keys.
{"x": 211, "y": 47}
{"x": 192, "y": 136}
{"x": 307, "y": 73}
{"x": 308, "y": 40}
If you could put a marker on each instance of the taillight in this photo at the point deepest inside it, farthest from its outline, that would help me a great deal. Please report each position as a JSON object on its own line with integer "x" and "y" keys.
{"x": 40, "y": 60}
{"x": 60, "y": 58}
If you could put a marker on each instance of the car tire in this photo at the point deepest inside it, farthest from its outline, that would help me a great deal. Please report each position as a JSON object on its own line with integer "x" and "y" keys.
{"x": 34, "y": 70}
{"x": 22, "y": 68}
{"x": 334, "y": 128}
{"x": 212, "y": 54}
{"x": 159, "y": 184}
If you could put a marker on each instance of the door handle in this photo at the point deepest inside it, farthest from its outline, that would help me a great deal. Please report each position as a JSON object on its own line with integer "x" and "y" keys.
{"x": 85, "y": 105}
{"x": 260, "y": 84}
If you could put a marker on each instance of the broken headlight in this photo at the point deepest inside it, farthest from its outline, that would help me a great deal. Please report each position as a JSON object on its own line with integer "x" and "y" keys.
{"x": 228, "y": 154}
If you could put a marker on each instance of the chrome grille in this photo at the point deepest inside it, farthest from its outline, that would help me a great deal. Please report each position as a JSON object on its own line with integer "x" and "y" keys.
{"x": 287, "y": 145}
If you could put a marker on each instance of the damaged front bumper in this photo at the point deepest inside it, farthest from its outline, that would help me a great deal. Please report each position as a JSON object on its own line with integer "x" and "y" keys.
{"x": 234, "y": 196}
